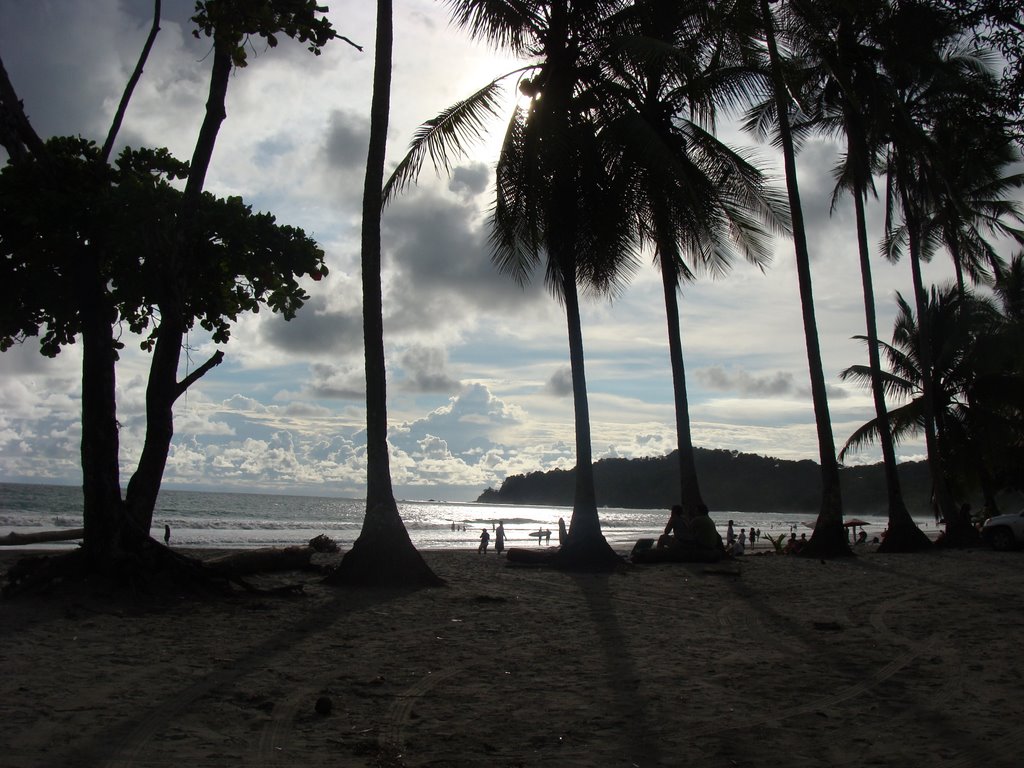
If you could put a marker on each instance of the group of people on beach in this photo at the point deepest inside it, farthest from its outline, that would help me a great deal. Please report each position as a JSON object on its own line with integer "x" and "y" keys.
{"x": 737, "y": 545}
{"x": 693, "y": 531}
{"x": 542, "y": 535}
{"x": 499, "y": 539}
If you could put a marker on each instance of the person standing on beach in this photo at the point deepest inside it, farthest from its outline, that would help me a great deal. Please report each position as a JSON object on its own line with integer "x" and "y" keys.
{"x": 499, "y": 537}
{"x": 730, "y": 535}
{"x": 167, "y": 535}
{"x": 485, "y": 538}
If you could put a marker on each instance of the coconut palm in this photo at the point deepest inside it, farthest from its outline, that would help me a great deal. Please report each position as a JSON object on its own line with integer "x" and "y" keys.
{"x": 383, "y": 553}
{"x": 977, "y": 398}
{"x": 557, "y": 207}
{"x": 973, "y": 201}
{"x": 829, "y": 537}
{"x": 846, "y": 101}
{"x": 700, "y": 203}
{"x": 927, "y": 72}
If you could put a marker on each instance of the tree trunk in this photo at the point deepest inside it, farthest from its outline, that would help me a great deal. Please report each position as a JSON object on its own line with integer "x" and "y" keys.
{"x": 957, "y": 532}
{"x": 144, "y": 486}
{"x": 904, "y": 535}
{"x": 829, "y": 537}
{"x": 383, "y": 554}
{"x": 689, "y": 491}
{"x": 585, "y": 546}
{"x": 103, "y": 510}
{"x": 162, "y": 389}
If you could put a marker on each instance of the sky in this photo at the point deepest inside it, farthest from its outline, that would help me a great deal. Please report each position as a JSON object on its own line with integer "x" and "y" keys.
{"x": 478, "y": 372}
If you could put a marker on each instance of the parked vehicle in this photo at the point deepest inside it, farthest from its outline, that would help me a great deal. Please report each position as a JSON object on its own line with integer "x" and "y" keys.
{"x": 1004, "y": 532}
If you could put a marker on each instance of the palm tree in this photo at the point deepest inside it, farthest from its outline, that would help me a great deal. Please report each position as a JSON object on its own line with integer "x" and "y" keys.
{"x": 926, "y": 72}
{"x": 972, "y": 202}
{"x": 829, "y": 537}
{"x": 977, "y": 397}
{"x": 836, "y": 43}
{"x": 698, "y": 201}
{"x": 383, "y": 554}
{"x": 556, "y": 203}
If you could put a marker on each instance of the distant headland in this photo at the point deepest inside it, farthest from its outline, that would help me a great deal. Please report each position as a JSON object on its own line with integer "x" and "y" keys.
{"x": 729, "y": 480}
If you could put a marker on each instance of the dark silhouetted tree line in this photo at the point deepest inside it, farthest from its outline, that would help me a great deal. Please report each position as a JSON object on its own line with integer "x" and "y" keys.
{"x": 740, "y": 482}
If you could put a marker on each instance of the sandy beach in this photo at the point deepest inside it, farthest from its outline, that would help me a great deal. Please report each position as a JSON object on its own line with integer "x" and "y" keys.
{"x": 880, "y": 660}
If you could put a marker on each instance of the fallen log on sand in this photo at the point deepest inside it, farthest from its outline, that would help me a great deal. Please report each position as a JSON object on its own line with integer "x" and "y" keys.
{"x": 273, "y": 559}
{"x": 17, "y": 539}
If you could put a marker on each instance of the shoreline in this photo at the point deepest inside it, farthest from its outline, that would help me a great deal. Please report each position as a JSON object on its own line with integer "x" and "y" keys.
{"x": 881, "y": 660}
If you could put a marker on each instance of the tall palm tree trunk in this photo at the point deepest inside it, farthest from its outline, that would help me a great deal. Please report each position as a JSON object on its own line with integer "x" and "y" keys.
{"x": 958, "y": 532}
{"x": 383, "y": 554}
{"x": 585, "y": 546}
{"x": 829, "y": 537}
{"x": 689, "y": 487}
{"x": 904, "y": 535}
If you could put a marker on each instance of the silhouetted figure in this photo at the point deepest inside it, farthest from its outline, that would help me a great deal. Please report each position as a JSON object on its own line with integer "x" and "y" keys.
{"x": 676, "y": 529}
{"x": 485, "y": 538}
{"x": 704, "y": 531}
{"x": 562, "y": 533}
{"x": 730, "y": 535}
{"x": 499, "y": 537}
{"x": 547, "y": 536}
{"x": 167, "y": 535}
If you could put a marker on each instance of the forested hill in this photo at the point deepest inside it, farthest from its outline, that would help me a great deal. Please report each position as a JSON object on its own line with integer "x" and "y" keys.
{"x": 729, "y": 480}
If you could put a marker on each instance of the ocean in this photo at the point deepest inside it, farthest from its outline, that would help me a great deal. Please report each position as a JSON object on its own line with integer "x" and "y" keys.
{"x": 246, "y": 520}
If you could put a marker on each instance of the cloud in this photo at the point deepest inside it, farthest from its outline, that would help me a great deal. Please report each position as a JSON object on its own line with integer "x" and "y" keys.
{"x": 560, "y": 383}
{"x": 470, "y": 180}
{"x": 424, "y": 370}
{"x": 346, "y": 141}
{"x": 774, "y": 385}
{"x": 344, "y": 382}
{"x": 317, "y": 330}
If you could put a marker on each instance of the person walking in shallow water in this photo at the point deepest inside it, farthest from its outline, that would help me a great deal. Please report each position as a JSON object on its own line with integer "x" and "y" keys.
{"x": 499, "y": 537}
{"x": 485, "y": 538}
{"x": 167, "y": 535}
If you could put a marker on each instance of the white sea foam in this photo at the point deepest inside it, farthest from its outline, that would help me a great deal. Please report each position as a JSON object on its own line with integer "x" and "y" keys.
{"x": 236, "y": 520}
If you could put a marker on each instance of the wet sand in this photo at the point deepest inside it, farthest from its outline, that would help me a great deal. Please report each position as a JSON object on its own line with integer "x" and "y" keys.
{"x": 879, "y": 660}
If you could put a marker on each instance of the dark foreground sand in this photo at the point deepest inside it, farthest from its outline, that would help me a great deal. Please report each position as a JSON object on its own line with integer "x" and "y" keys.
{"x": 910, "y": 660}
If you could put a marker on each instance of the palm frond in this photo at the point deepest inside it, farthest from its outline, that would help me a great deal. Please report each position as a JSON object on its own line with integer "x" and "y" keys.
{"x": 447, "y": 136}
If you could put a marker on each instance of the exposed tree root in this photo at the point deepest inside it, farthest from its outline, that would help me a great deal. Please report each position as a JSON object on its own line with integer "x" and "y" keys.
{"x": 593, "y": 555}
{"x": 905, "y": 538}
{"x": 828, "y": 541}
{"x": 383, "y": 562}
{"x": 152, "y": 569}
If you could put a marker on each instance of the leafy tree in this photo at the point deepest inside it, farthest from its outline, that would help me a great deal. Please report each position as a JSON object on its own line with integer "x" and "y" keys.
{"x": 383, "y": 553}
{"x": 88, "y": 245}
{"x": 998, "y": 25}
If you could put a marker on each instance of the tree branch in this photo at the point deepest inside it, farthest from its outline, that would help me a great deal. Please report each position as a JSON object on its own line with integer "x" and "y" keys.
{"x": 115, "y": 125}
{"x": 198, "y": 373}
{"x": 17, "y": 135}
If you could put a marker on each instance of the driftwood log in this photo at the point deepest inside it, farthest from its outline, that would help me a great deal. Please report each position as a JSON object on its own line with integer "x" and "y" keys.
{"x": 272, "y": 559}
{"x": 17, "y": 539}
